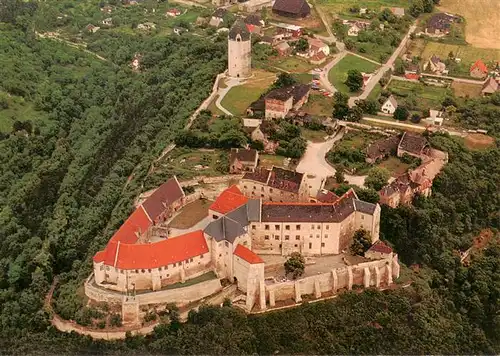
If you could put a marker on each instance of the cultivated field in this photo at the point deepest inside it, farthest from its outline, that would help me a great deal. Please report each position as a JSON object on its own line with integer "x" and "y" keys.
{"x": 338, "y": 74}
{"x": 466, "y": 89}
{"x": 483, "y": 20}
{"x": 336, "y": 6}
{"x": 428, "y": 96}
{"x": 467, "y": 54}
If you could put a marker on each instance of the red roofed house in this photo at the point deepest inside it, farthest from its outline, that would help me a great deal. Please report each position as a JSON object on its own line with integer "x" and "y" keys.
{"x": 479, "y": 69}
{"x": 126, "y": 266}
{"x": 249, "y": 273}
{"x": 166, "y": 200}
{"x": 379, "y": 250}
{"x": 227, "y": 201}
{"x": 243, "y": 160}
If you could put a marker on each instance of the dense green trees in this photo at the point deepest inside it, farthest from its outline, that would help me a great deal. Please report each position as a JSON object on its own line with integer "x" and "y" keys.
{"x": 354, "y": 80}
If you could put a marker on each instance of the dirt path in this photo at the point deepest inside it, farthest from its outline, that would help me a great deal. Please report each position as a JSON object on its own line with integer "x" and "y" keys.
{"x": 82, "y": 47}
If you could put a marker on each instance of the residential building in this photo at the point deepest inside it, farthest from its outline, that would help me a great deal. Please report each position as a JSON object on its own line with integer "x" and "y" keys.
{"x": 107, "y": 22}
{"x": 435, "y": 65}
{"x": 283, "y": 49}
{"x": 91, "y": 28}
{"x": 390, "y": 105}
{"x": 440, "y": 24}
{"x": 146, "y": 26}
{"x": 382, "y": 148}
{"x": 217, "y": 18}
{"x": 254, "y": 23}
{"x": 285, "y": 30}
{"x": 414, "y": 145}
{"x": 490, "y": 86}
{"x": 292, "y": 8}
{"x": 280, "y": 101}
{"x": 243, "y": 160}
{"x": 316, "y": 46}
{"x": 436, "y": 117}
{"x": 478, "y": 69}
{"x": 173, "y": 12}
{"x": 276, "y": 184}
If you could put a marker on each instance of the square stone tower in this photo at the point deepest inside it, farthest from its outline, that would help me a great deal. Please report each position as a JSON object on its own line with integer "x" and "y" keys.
{"x": 239, "y": 50}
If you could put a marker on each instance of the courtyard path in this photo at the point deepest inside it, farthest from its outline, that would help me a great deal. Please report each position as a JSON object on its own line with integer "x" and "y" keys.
{"x": 323, "y": 75}
{"x": 314, "y": 161}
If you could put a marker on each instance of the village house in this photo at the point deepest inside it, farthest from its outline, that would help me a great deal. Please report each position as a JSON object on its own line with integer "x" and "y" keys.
{"x": 107, "y": 9}
{"x": 276, "y": 184}
{"x": 252, "y": 127}
{"x": 146, "y": 26}
{"x": 91, "y": 28}
{"x": 292, "y": 8}
{"x": 107, "y": 22}
{"x": 478, "y": 70}
{"x": 440, "y": 24}
{"x": 243, "y": 160}
{"x": 280, "y": 101}
{"x": 382, "y": 149}
{"x": 413, "y": 145}
{"x": 398, "y": 11}
{"x": 490, "y": 86}
{"x": 283, "y": 49}
{"x": 217, "y": 17}
{"x": 390, "y": 105}
{"x": 435, "y": 65}
{"x": 324, "y": 196}
{"x": 173, "y": 12}
{"x": 136, "y": 62}
{"x": 254, "y": 5}
{"x": 316, "y": 46}
{"x": 180, "y": 30}
{"x": 288, "y": 30}
{"x": 436, "y": 117}
{"x": 355, "y": 27}
{"x": 254, "y": 23}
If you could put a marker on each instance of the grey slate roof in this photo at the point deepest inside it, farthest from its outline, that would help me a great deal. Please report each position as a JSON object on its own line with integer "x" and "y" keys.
{"x": 239, "y": 28}
{"x": 364, "y": 207}
{"x": 253, "y": 210}
{"x": 224, "y": 229}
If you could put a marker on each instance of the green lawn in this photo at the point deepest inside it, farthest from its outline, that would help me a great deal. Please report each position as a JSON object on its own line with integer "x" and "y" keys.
{"x": 319, "y": 105}
{"x": 239, "y": 98}
{"x": 343, "y": 5}
{"x": 427, "y": 96}
{"x": 314, "y": 135}
{"x": 269, "y": 161}
{"x": 338, "y": 74}
{"x": 394, "y": 165}
{"x": 292, "y": 64}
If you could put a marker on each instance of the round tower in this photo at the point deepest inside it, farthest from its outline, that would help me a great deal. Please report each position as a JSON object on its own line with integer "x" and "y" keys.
{"x": 239, "y": 49}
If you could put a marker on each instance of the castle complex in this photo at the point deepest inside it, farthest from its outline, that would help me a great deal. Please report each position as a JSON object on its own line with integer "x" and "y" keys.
{"x": 239, "y": 50}
{"x": 143, "y": 262}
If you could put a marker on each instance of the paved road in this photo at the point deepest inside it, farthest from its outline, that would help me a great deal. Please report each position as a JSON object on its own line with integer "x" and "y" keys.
{"x": 323, "y": 75}
{"x": 232, "y": 82}
{"x": 371, "y": 84}
{"x": 410, "y": 126}
{"x": 314, "y": 161}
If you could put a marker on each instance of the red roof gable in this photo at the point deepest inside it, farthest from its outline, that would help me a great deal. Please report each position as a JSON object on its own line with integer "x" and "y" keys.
{"x": 381, "y": 247}
{"x": 146, "y": 256}
{"x": 136, "y": 224}
{"x": 249, "y": 256}
{"x": 413, "y": 76}
{"x": 165, "y": 195}
{"x": 479, "y": 65}
{"x": 229, "y": 200}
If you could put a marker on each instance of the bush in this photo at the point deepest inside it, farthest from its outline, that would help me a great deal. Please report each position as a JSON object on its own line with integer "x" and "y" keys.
{"x": 115, "y": 320}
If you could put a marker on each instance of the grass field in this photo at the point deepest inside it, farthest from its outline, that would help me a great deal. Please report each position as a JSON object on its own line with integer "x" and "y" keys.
{"x": 338, "y": 74}
{"x": 269, "y": 161}
{"x": 186, "y": 163}
{"x": 482, "y": 17}
{"x": 19, "y": 110}
{"x": 479, "y": 141}
{"x": 428, "y": 96}
{"x": 318, "y": 105}
{"x": 313, "y": 135}
{"x": 337, "y": 6}
{"x": 191, "y": 214}
{"x": 394, "y": 165}
{"x": 239, "y": 98}
{"x": 291, "y": 64}
{"x": 466, "y": 89}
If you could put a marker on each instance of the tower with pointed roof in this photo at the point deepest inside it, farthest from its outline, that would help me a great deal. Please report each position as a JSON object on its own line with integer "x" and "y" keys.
{"x": 239, "y": 50}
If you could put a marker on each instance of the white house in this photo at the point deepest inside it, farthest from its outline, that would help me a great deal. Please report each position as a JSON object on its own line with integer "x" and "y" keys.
{"x": 390, "y": 105}
{"x": 435, "y": 117}
{"x": 353, "y": 30}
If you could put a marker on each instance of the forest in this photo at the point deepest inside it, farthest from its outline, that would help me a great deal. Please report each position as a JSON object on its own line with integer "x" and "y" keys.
{"x": 72, "y": 165}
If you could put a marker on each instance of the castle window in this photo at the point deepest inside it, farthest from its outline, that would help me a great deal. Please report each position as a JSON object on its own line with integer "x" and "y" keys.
{"x": 297, "y": 227}
{"x": 121, "y": 271}
{"x": 280, "y": 245}
{"x": 262, "y": 195}
{"x": 296, "y": 245}
{"x": 107, "y": 268}
{"x": 322, "y": 244}
{"x": 266, "y": 237}
{"x": 245, "y": 187}
{"x": 226, "y": 243}
{"x": 317, "y": 236}
{"x": 312, "y": 227}
{"x": 270, "y": 198}
{"x": 327, "y": 227}
{"x": 149, "y": 270}
{"x": 143, "y": 271}
{"x": 326, "y": 236}
{"x": 201, "y": 256}
{"x": 276, "y": 237}
{"x": 310, "y": 236}
{"x": 168, "y": 275}
{"x": 214, "y": 216}
{"x": 254, "y": 187}
{"x": 310, "y": 245}
{"x": 276, "y": 227}
{"x": 136, "y": 271}
{"x": 261, "y": 189}
{"x": 362, "y": 217}
{"x": 101, "y": 268}
{"x": 287, "y": 227}
{"x": 270, "y": 190}
{"x": 266, "y": 227}
{"x": 287, "y": 237}
{"x": 319, "y": 227}
{"x": 191, "y": 260}
{"x": 297, "y": 237}
{"x": 253, "y": 227}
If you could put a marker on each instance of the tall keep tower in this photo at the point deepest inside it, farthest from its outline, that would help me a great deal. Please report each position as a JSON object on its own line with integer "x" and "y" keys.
{"x": 239, "y": 50}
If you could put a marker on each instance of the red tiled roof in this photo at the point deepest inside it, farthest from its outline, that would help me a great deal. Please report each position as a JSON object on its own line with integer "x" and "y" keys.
{"x": 413, "y": 76}
{"x": 381, "y": 247}
{"x": 479, "y": 65}
{"x": 165, "y": 195}
{"x": 136, "y": 224}
{"x": 145, "y": 256}
{"x": 244, "y": 253}
{"x": 228, "y": 200}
